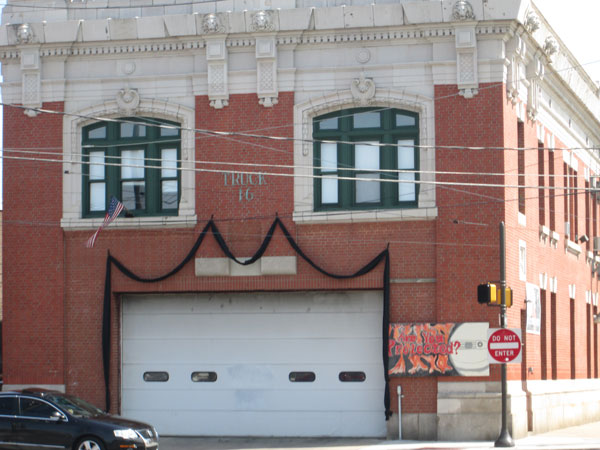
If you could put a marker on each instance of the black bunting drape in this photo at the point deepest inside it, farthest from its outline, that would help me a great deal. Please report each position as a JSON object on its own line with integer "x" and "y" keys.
{"x": 211, "y": 227}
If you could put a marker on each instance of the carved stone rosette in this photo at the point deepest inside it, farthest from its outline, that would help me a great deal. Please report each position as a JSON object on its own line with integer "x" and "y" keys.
{"x": 262, "y": 21}
{"x": 211, "y": 23}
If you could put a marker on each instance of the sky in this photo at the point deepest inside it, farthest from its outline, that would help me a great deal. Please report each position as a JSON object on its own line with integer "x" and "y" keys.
{"x": 575, "y": 21}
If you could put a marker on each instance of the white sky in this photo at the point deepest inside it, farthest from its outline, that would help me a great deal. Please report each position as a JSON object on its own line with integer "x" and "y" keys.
{"x": 575, "y": 21}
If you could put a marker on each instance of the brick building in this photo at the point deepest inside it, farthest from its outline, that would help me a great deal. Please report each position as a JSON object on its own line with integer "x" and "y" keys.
{"x": 299, "y": 180}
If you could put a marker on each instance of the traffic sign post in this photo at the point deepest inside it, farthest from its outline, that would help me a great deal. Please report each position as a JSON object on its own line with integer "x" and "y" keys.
{"x": 504, "y": 345}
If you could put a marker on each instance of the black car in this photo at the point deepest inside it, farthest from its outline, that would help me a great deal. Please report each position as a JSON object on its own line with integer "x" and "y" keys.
{"x": 37, "y": 418}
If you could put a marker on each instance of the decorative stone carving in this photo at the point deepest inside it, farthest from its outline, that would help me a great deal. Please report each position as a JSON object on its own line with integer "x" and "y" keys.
{"x": 463, "y": 10}
{"x": 262, "y": 21}
{"x": 212, "y": 24}
{"x": 550, "y": 46}
{"x": 515, "y": 53}
{"x": 363, "y": 56}
{"x": 266, "y": 71}
{"x": 31, "y": 96}
{"x": 128, "y": 100}
{"x": 218, "y": 84}
{"x": 532, "y": 22}
{"x": 535, "y": 73}
{"x": 466, "y": 61}
{"x": 363, "y": 89}
{"x": 25, "y": 34}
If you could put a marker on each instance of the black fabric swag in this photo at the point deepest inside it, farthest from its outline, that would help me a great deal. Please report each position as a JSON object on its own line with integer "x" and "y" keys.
{"x": 211, "y": 227}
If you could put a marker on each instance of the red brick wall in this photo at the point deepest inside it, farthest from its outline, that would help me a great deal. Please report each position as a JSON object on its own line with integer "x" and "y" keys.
{"x": 53, "y": 309}
{"x": 33, "y": 285}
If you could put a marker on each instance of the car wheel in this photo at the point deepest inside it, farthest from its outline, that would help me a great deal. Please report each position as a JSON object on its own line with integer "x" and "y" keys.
{"x": 89, "y": 443}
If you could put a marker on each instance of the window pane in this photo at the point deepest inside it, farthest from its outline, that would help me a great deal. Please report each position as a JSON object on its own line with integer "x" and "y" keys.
{"x": 368, "y": 191}
{"x": 97, "y": 196}
{"x": 367, "y": 120}
{"x": 169, "y": 194}
{"x": 406, "y": 191}
{"x": 302, "y": 377}
{"x": 134, "y": 195}
{"x": 406, "y": 154}
{"x": 35, "y": 408}
{"x": 328, "y": 124}
{"x": 133, "y": 130}
{"x": 405, "y": 121}
{"x": 169, "y": 132}
{"x": 156, "y": 376}
{"x": 8, "y": 406}
{"x": 204, "y": 377}
{"x": 328, "y": 157}
{"x": 97, "y": 133}
{"x": 169, "y": 163}
{"x": 366, "y": 157}
{"x": 131, "y": 158}
{"x": 329, "y": 190}
{"x": 96, "y": 165}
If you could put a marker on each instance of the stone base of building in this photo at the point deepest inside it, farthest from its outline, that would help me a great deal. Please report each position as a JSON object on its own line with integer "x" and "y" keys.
{"x": 472, "y": 411}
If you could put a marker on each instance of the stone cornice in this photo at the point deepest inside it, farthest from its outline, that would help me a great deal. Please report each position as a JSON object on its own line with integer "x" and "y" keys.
{"x": 192, "y": 42}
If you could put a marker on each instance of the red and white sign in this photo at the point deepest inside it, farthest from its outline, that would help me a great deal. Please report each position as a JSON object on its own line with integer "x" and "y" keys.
{"x": 504, "y": 345}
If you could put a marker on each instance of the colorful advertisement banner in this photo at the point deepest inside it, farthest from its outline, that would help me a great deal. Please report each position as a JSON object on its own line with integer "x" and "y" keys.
{"x": 433, "y": 349}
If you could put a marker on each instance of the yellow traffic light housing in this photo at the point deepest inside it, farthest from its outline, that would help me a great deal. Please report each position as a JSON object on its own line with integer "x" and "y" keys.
{"x": 491, "y": 294}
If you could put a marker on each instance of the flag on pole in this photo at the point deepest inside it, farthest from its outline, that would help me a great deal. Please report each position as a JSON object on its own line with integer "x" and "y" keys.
{"x": 114, "y": 209}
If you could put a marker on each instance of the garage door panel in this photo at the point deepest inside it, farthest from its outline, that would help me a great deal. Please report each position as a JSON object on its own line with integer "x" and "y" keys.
{"x": 249, "y": 351}
{"x": 288, "y": 423}
{"x": 281, "y": 302}
{"x": 275, "y": 400}
{"x": 252, "y": 342}
{"x": 276, "y": 376}
{"x": 211, "y": 326}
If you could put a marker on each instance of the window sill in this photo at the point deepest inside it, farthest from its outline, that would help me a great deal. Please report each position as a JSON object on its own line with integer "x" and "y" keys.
{"x": 132, "y": 222}
{"x": 366, "y": 215}
{"x": 573, "y": 248}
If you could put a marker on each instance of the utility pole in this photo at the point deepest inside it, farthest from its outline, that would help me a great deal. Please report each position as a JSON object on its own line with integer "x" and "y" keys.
{"x": 505, "y": 439}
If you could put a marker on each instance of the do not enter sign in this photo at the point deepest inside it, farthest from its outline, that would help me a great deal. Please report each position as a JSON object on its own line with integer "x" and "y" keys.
{"x": 504, "y": 345}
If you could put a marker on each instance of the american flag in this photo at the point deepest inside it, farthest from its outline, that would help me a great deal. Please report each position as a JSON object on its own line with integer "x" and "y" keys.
{"x": 114, "y": 209}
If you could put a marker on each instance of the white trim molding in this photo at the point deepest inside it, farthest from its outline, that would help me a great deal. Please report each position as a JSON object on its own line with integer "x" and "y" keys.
{"x": 72, "y": 182}
{"x": 303, "y": 156}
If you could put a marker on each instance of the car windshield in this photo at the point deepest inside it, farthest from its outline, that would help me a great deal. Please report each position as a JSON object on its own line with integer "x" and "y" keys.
{"x": 74, "y": 406}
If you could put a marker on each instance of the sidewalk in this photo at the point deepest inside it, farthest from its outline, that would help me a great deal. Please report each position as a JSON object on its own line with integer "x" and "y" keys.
{"x": 583, "y": 437}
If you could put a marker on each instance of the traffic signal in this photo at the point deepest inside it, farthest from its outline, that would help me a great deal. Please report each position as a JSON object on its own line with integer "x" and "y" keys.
{"x": 491, "y": 294}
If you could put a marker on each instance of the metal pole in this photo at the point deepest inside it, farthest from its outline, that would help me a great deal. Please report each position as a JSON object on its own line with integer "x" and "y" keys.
{"x": 505, "y": 439}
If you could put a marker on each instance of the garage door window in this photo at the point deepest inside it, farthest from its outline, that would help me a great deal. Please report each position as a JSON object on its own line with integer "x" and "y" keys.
{"x": 356, "y": 377}
{"x": 302, "y": 377}
{"x": 204, "y": 377}
{"x": 156, "y": 376}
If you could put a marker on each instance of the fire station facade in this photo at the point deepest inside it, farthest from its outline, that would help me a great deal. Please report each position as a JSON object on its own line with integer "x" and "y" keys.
{"x": 298, "y": 181}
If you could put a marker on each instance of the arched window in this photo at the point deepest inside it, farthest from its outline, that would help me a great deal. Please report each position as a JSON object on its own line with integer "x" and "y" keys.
{"x": 137, "y": 160}
{"x": 366, "y": 158}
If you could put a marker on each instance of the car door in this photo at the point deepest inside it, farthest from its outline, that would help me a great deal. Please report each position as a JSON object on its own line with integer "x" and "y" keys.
{"x": 8, "y": 417}
{"x": 42, "y": 426}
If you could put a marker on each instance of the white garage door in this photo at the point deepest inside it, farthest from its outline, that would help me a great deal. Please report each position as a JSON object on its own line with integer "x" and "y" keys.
{"x": 263, "y": 364}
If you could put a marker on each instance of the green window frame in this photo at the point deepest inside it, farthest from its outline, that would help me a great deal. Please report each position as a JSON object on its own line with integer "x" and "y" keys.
{"x": 135, "y": 161}
{"x": 346, "y": 162}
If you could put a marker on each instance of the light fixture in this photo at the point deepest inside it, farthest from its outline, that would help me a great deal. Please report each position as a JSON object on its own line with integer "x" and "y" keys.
{"x": 584, "y": 238}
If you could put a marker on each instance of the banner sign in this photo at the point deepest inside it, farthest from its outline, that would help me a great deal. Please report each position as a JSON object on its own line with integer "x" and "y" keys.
{"x": 423, "y": 349}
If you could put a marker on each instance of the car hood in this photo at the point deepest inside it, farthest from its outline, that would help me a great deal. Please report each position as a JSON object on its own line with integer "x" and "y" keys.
{"x": 118, "y": 422}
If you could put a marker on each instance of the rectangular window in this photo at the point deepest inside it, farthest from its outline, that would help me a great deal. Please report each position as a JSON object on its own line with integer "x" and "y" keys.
{"x": 554, "y": 335}
{"x": 551, "y": 193}
{"x": 521, "y": 164}
{"x": 366, "y": 159}
{"x": 134, "y": 161}
{"x": 522, "y": 260}
{"x": 542, "y": 184}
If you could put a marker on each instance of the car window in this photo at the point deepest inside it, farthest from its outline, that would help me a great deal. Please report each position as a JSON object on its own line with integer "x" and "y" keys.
{"x": 31, "y": 407}
{"x": 74, "y": 406}
{"x": 8, "y": 406}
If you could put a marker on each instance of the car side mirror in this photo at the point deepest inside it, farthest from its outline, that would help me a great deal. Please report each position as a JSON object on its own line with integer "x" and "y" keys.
{"x": 57, "y": 417}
